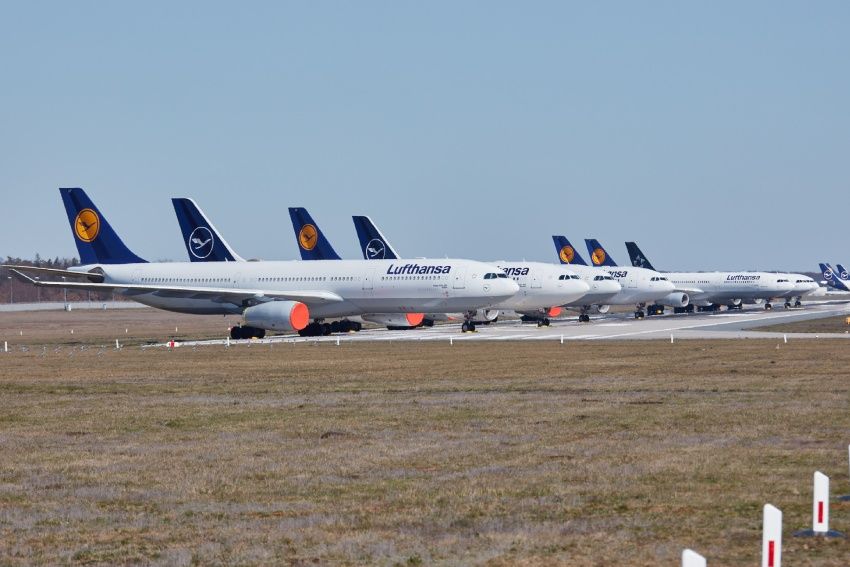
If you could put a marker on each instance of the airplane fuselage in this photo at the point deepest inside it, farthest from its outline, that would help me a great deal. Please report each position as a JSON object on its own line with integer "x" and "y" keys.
{"x": 374, "y": 286}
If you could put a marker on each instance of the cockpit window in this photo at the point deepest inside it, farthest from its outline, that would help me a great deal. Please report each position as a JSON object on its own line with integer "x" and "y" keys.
{"x": 502, "y": 275}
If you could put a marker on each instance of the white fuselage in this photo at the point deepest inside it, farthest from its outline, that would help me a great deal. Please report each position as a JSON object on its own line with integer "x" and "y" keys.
{"x": 541, "y": 286}
{"x": 803, "y": 286}
{"x": 373, "y": 286}
{"x": 604, "y": 290}
{"x": 639, "y": 285}
{"x": 720, "y": 287}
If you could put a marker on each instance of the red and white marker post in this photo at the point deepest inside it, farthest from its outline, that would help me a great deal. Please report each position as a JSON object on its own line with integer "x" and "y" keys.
{"x": 771, "y": 540}
{"x": 820, "y": 510}
{"x": 691, "y": 558}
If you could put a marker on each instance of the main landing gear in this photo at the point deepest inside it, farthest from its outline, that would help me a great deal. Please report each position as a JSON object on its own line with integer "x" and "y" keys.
{"x": 639, "y": 314}
{"x": 796, "y": 303}
{"x": 768, "y": 306}
{"x": 244, "y": 332}
{"x": 320, "y": 329}
{"x": 541, "y": 321}
{"x": 655, "y": 309}
{"x": 467, "y": 327}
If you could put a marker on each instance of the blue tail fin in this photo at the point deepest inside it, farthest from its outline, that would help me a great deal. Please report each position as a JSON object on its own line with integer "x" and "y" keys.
{"x": 373, "y": 244}
{"x": 637, "y": 257}
{"x": 567, "y": 252}
{"x": 311, "y": 242}
{"x": 96, "y": 242}
{"x": 203, "y": 242}
{"x": 598, "y": 255}
{"x": 842, "y": 273}
{"x": 831, "y": 277}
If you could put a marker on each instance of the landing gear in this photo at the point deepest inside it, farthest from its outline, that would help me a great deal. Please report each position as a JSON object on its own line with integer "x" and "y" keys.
{"x": 584, "y": 318}
{"x": 543, "y": 322}
{"x": 787, "y": 305}
{"x": 768, "y": 306}
{"x": 467, "y": 327}
{"x": 655, "y": 310}
{"x": 245, "y": 332}
{"x": 639, "y": 314}
{"x": 798, "y": 303}
{"x": 345, "y": 326}
{"x": 687, "y": 309}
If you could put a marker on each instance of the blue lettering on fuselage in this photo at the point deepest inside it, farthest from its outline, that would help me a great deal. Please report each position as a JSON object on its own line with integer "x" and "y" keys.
{"x": 519, "y": 271}
{"x": 617, "y": 274}
{"x": 416, "y": 269}
{"x": 742, "y": 278}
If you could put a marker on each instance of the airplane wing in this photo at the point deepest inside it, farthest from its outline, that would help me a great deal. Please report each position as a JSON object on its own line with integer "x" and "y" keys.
{"x": 223, "y": 295}
{"x": 91, "y": 276}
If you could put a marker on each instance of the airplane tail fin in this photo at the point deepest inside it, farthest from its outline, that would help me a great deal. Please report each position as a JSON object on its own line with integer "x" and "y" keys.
{"x": 96, "y": 241}
{"x": 832, "y": 278}
{"x": 311, "y": 241}
{"x": 637, "y": 257}
{"x": 373, "y": 244}
{"x": 203, "y": 242}
{"x": 567, "y": 252}
{"x": 598, "y": 255}
{"x": 842, "y": 273}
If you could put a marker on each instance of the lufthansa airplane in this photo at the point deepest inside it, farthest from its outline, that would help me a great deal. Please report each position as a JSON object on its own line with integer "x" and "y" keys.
{"x": 709, "y": 290}
{"x": 279, "y": 296}
{"x": 205, "y": 244}
{"x": 639, "y": 286}
{"x": 543, "y": 288}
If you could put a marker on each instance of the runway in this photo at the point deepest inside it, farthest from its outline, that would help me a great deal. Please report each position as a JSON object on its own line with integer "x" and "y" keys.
{"x": 722, "y": 325}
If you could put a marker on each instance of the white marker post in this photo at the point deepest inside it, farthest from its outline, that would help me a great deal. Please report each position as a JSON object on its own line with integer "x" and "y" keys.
{"x": 820, "y": 510}
{"x": 117, "y": 346}
{"x": 691, "y": 558}
{"x": 771, "y": 540}
{"x": 5, "y": 346}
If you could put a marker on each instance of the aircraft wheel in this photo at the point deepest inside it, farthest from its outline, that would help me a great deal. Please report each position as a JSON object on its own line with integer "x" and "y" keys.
{"x": 768, "y": 306}
{"x": 639, "y": 314}
{"x": 798, "y": 304}
{"x": 236, "y": 333}
{"x": 787, "y": 305}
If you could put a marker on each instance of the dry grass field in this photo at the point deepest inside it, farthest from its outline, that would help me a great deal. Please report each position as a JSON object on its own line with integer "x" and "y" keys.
{"x": 412, "y": 454}
{"x": 825, "y": 325}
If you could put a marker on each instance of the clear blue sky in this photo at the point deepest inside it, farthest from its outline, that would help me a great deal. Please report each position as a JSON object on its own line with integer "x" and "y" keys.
{"x": 714, "y": 134}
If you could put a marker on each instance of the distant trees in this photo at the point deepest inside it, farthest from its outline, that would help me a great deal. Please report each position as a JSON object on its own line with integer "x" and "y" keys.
{"x": 22, "y": 292}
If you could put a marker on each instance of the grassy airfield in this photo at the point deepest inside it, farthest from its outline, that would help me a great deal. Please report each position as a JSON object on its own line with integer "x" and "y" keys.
{"x": 410, "y": 454}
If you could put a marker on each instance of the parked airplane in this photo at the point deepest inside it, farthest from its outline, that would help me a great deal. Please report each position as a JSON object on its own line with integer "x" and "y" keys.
{"x": 203, "y": 242}
{"x": 710, "y": 290}
{"x": 193, "y": 219}
{"x": 604, "y": 289}
{"x": 639, "y": 285}
{"x": 271, "y": 295}
{"x": 542, "y": 287}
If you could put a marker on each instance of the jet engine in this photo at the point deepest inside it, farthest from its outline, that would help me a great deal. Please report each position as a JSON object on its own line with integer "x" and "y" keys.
{"x": 395, "y": 320}
{"x": 603, "y": 309}
{"x": 277, "y": 316}
{"x": 675, "y": 299}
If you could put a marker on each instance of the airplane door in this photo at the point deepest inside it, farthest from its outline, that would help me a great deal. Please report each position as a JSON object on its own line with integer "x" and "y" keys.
{"x": 632, "y": 281}
{"x": 369, "y": 280}
{"x": 535, "y": 281}
{"x": 458, "y": 278}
